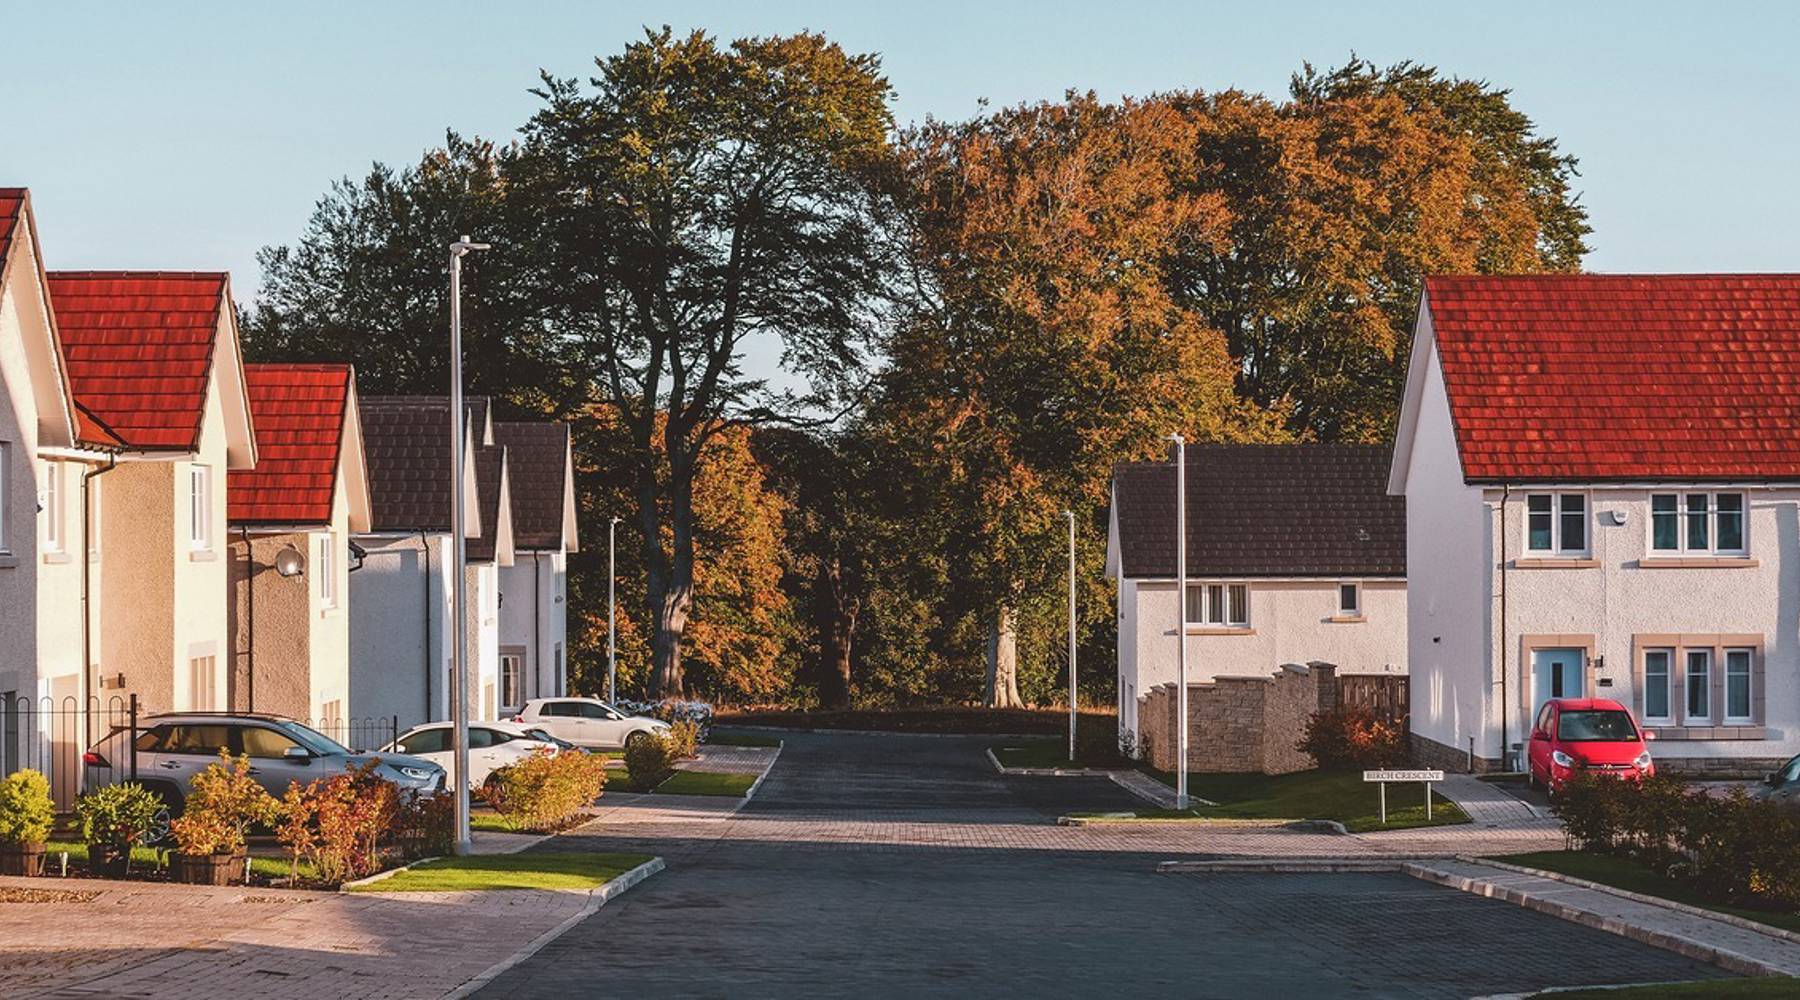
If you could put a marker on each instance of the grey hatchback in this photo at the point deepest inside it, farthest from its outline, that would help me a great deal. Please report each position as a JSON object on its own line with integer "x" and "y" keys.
{"x": 172, "y": 748}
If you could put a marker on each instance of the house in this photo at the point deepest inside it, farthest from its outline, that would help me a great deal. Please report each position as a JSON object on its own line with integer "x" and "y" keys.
{"x": 51, "y": 454}
{"x": 1602, "y": 474}
{"x": 154, "y": 367}
{"x": 290, "y": 521}
{"x": 400, "y": 625}
{"x": 534, "y": 621}
{"x": 1295, "y": 554}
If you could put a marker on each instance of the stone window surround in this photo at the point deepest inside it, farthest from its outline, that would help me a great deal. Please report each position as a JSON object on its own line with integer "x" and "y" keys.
{"x": 1717, "y": 643}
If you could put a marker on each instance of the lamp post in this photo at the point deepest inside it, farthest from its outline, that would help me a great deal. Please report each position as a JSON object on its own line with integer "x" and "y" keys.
{"x": 1071, "y": 516}
{"x": 459, "y": 706}
{"x": 1181, "y": 670}
{"x": 612, "y": 605}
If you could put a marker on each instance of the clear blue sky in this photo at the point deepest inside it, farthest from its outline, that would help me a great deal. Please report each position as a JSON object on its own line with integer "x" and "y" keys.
{"x": 189, "y": 140}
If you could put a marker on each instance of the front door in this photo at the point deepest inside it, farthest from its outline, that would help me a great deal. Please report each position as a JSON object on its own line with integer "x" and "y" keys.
{"x": 1557, "y": 673}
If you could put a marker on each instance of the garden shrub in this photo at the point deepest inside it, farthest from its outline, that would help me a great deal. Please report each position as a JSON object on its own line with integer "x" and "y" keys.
{"x": 337, "y": 823}
{"x": 650, "y": 761}
{"x": 1097, "y": 740}
{"x": 26, "y": 812}
{"x": 424, "y": 824}
{"x": 545, "y": 791}
{"x": 117, "y": 815}
{"x": 1352, "y": 738}
{"x": 684, "y": 739}
{"x": 223, "y": 803}
{"x": 700, "y": 713}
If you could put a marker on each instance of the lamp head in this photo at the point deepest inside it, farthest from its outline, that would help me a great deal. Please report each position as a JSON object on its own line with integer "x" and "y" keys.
{"x": 289, "y": 562}
{"x": 464, "y": 245}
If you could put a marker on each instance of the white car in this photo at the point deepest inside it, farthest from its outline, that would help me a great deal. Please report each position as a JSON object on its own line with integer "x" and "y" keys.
{"x": 587, "y": 722}
{"x": 492, "y": 746}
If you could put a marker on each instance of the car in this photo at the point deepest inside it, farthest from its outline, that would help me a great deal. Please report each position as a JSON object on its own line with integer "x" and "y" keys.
{"x": 172, "y": 748}
{"x": 492, "y": 746}
{"x": 1597, "y": 736}
{"x": 588, "y": 722}
{"x": 1782, "y": 785}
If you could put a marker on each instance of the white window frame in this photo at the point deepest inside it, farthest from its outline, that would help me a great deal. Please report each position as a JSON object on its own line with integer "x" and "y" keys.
{"x": 1668, "y": 685}
{"x": 1355, "y": 610}
{"x": 200, "y": 508}
{"x": 1683, "y": 512}
{"x": 55, "y": 531}
{"x": 1749, "y": 675}
{"x": 1687, "y": 685}
{"x": 6, "y": 497}
{"x": 203, "y": 676}
{"x": 518, "y": 676}
{"x": 326, "y": 570}
{"x": 1558, "y": 548}
{"x": 1215, "y": 604}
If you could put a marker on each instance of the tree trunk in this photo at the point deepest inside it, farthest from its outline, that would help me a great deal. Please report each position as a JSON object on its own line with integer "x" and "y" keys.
{"x": 1003, "y": 660}
{"x": 671, "y": 603}
{"x": 837, "y": 627}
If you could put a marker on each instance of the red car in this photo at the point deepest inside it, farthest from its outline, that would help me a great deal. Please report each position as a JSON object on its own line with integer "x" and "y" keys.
{"x": 1586, "y": 736}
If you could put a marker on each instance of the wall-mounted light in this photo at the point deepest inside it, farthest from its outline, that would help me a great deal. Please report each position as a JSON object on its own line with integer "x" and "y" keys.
{"x": 289, "y": 562}
{"x": 1618, "y": 517}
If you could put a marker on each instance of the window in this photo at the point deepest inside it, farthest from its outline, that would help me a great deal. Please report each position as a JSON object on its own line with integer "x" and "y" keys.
{"x": 1699, "y": 685}
{"x": 327, "y": 571}
{"x": 1737, "y": 685}
{"x": 556, "y": 679}
{"x": 199, "y": 508}
{"x": 1700, "y": 523}
{"x": 427, "y": 741}
{"x": 53, "y": 507}
{"x": 1350, "y": 600}
{"x": 265, "y": 743}
{"x": 206, "y": 740}
{"x": 1656, "y": 684}
{"x": 1595, "y": 726}
{"x": 1556, "y": 523}
{"x": 510, "y": 664}
{"x": 1220, "y": 605}
{"x": 487, "y": 700}
{"x": 202, "y": 684}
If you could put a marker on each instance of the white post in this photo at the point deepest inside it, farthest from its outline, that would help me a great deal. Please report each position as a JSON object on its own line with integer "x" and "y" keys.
{"x": 612, "y": 630}
{"x": 1181, "y": 670}
{"x": 459, "y": 705}
{"x": 1072, "y": 689}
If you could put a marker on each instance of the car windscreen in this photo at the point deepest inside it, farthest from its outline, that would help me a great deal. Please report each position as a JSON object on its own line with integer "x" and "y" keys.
{"x": 1595, "y": 725}
{"x": 312, "y": 739}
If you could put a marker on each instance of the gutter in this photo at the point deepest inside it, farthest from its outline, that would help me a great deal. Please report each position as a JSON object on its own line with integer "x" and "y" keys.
{"x": 537, "y": 622}
{"x": 425, "y": 599}
{"x": 87, "y": 586}
{"x": 250, "y": 613}
{"x": 1505, "y": 701}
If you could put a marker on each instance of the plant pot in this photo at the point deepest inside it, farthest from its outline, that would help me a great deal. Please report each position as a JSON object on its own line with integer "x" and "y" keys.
{"x": 21, "y": 859}
{"x": 206, "y": 869}
{"x": 109, "y": 860}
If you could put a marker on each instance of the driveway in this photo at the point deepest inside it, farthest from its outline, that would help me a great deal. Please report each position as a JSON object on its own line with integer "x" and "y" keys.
{"x": 877, "y": 866}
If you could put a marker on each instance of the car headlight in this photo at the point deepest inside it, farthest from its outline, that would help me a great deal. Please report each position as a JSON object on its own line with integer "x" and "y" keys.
{"x": 415, "y": 773}
{"x": 1561, "y": 759}
{"x": 1642, "y": 762}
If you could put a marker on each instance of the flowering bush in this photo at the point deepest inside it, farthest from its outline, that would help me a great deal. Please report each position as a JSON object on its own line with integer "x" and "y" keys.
{"x": 223, "y": 803}
{"x": 26, "y": 812}
{"x": 700, "y": 713}
{"x": 546, "y": 790}
{"x": 1350, "y": 737}
{"x": 650, "y": 762}
{"x": 337, "y": 823}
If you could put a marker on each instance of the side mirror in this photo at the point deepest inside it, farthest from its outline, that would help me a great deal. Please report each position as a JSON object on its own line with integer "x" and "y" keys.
{"x": 297, "y": 755}
{"x": 1649, "y": 735}
{"x": 1773, "y": 779}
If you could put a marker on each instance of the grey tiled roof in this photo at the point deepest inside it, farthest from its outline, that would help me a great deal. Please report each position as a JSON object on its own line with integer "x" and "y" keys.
{"x": 1264, "y": 510}
{"x": 490, "y": 466}
{"x": 537, "y": 465}
{"x": 406, "y": 442}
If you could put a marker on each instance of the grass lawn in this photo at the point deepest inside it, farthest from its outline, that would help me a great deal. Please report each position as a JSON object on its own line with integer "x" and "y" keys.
{"x": 145, "y": 859}
{"x": 1336, "y": 795}
{"x": 510, "y": 871}
{"x": 741, "y": 739}
{"x": 706, "y": 783}
{"x": 1710, "y": 989}
{"x": 1632, "y": 876}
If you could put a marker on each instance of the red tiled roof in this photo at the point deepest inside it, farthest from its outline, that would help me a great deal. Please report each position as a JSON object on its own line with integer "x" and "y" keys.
{"x": 1621, "y": 377}
{"x": 12, "y": 209}
{"x": 139, "y": 349}
{"x": 298, "y": 412}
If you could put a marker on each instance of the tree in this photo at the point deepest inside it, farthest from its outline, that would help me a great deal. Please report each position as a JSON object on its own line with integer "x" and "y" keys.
{"x": 1049, "y": 347}
{"x": 693, "y": 200}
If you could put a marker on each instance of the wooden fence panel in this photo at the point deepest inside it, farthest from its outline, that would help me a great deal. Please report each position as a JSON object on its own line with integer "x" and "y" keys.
{"x": 1387, "y": 695}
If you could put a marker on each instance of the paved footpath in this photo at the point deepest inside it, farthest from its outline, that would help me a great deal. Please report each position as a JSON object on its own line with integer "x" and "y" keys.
{"x": 904, "y": 866}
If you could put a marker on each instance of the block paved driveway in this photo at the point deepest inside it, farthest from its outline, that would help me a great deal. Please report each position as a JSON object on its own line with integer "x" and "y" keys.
{"x": 872, "y": 866}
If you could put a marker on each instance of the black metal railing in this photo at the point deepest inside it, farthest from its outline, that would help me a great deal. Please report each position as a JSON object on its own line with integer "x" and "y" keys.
{"x": 50, "y": 735}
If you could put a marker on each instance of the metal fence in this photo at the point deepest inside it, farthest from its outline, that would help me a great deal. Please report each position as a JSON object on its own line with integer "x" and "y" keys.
{"x": 361, "y": 735}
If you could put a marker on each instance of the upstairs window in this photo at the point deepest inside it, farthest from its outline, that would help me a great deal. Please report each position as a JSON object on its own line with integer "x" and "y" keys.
{"x": 1556, "y": 523}
{"x": 199, "y": 507}
{"x": 1697, "y": 523}
{"x": 1349, "y": 600}
{"x": 327, "y": 570}
{"x": 1220, "y": 605}
{"x": 53, "y": 507}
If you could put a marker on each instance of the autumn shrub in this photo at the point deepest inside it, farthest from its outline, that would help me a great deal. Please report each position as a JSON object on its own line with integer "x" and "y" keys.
{"x": 546, "y": 790}
{"x": 1352, "y": 737}
{"x": 337, "y": 824}
{"x": 650, "y": 762}
{"x": 424, "y": 824}
{"x": 223, "y": 803}
{"x": 684, "y": 739}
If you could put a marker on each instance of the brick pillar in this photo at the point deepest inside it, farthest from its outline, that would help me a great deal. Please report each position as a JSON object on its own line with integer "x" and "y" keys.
{"x": 1326, "y": 675}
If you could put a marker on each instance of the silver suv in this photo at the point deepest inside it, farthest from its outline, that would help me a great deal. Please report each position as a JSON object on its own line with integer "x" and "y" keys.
{"x": 172, "y": 748}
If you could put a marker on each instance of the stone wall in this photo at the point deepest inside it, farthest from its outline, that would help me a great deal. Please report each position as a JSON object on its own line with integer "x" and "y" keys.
{"x": 1240, "y": 723}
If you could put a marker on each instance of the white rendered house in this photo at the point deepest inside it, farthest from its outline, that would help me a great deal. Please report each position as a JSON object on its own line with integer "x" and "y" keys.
{"x": 534, "y": 616}
{"x": 1294, "y": 554}
{"x": 1602, "y": 475}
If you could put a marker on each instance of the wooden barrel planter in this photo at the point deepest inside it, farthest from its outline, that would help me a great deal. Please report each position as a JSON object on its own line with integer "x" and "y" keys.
{"x": 109, "y": 860}
{"x": 206, "y": 869}
{"x": 21, "y": 859}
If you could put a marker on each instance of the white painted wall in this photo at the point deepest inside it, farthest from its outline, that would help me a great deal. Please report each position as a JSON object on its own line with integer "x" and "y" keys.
{"x": 534, "y": 617}
{"x": 19, "y": 564}
{"x": 398, "y": 629}
{"x": 1290, "y": 622}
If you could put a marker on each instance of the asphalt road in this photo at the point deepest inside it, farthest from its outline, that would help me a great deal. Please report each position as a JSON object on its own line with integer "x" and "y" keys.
{"x": 785, "y": 916}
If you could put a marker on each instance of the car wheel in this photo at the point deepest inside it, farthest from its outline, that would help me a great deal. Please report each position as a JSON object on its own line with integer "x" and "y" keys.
{"x": 636, "y": 738}
{"x": 171, "y": 808}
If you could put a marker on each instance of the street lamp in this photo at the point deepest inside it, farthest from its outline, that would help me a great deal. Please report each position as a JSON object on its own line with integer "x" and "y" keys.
{"x": 1071, "y": 516}
{"x": 459, "y": 706}
{"x": 612, "y": 631}
{"x": 1181, "y": 671}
